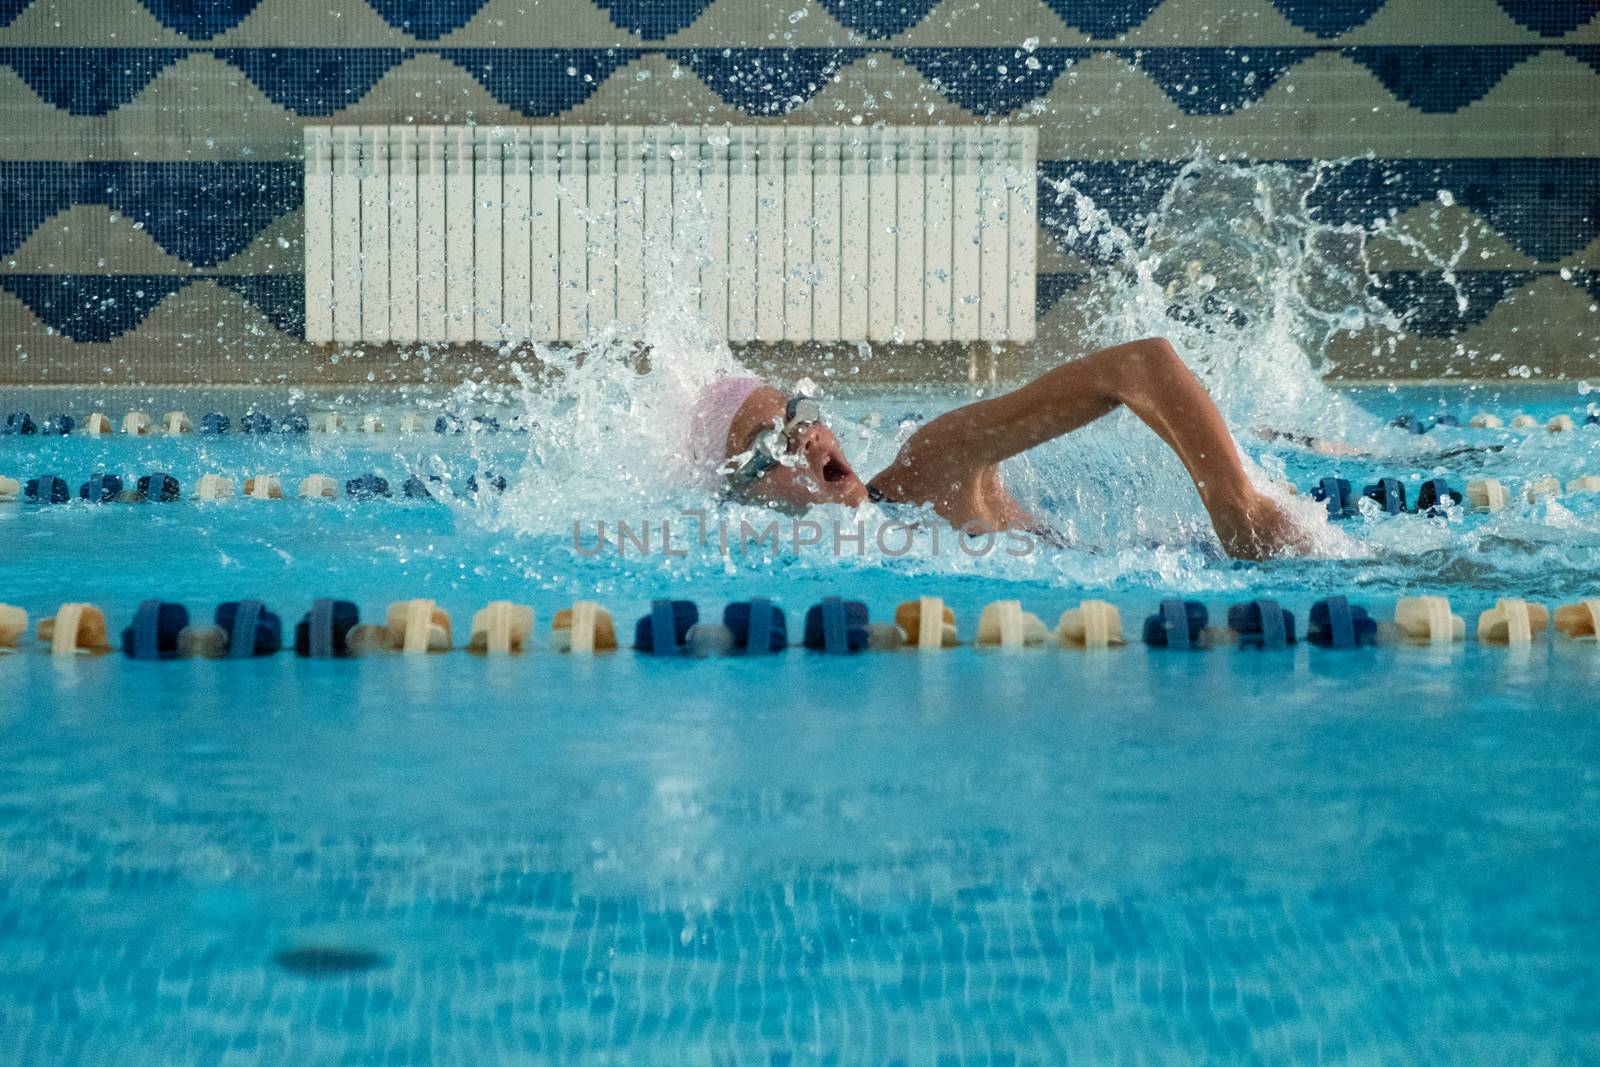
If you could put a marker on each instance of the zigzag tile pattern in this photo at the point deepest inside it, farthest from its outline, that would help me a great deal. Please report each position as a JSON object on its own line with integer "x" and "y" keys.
{"x": 1549, "y": 208}
{"x": 544, "y": 82}
{"x": 1053, "y": 285}
{"x": 200, "y": 19}
{"x": 95, "y": 308}
{"x": 655, "y": 20}
{"x": 426, "y": 20}
{"x": 1551, "y": 18}
{"x": 202, "y": 213}
{"x": 1444, "y": 78}
{"x": 10, "y": 9}
{"x": 205, "y": 214}
{"x": 992, "y": 81}
{"x": 1431, "y": 303}
{"x": 1328, "y": 18}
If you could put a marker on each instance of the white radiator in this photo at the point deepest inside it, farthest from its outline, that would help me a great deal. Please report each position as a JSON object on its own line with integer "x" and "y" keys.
{"x": 507, "y": 233}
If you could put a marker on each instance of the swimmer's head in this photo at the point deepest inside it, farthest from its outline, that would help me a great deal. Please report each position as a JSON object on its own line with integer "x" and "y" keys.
{"x": 730, "y": 416}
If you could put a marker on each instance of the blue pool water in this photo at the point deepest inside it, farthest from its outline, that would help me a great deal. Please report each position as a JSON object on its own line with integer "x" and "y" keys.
{"x": 1387, "y": 856}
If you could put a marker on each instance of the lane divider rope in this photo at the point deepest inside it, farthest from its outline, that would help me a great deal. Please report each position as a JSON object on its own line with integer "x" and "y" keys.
{"x": 254, "y": 422}
{"x": 177, "y": 423}
{"x": 332, "y": 628}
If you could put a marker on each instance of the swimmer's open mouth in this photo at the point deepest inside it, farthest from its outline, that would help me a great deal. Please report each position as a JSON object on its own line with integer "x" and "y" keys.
{"x": 835, "y": 470}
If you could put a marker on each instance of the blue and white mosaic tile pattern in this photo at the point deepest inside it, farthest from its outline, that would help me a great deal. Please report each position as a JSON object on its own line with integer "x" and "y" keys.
{"x": 183, "y": 119}
{"x": 660, "y": 19}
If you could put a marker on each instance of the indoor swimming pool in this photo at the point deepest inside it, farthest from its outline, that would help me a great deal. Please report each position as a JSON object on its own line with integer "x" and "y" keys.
{"x": 1379, "y": 855}
{"x": 485, "y": 562}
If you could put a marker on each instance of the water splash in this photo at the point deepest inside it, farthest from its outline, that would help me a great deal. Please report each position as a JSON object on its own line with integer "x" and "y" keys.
{"x": 1230, "y": 264}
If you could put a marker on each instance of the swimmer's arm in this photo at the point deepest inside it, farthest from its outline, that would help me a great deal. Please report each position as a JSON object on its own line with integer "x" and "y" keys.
{"x": 1152, "y": 381}
{"x": 1146, "y": 376}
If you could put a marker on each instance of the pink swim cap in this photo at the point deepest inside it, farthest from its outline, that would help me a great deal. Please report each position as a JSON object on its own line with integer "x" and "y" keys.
{"x": 710, "y": 420}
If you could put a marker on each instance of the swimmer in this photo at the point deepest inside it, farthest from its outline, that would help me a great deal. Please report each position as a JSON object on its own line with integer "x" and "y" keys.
{"x": 772, "y": 449}
{"x": 1328, "y": 446}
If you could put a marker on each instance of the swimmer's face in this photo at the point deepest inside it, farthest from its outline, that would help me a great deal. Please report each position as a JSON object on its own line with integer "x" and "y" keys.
{"x": 813, "y": 472}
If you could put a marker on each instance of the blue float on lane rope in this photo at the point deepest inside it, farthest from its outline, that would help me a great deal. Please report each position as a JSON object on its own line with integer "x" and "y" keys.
{"x": 155, "y": 630}
{"x": 758, "y": 626}
{"x": 1390, "y": 493}
{"x": 1262, "y": 624}
{"x": 101, "y": 488}
{"x": 369, "y": 486}
{"x": 1336, "y": 623}
{"x": 159, "y": 488}
{"x": 664, "y": 631}
{"x": 1177, "y": 624}
{"x": 1434, "y": 496}
{"x": 325, "y": 630}
{"x": 1337, "y": 494}
{"x": 47, "y": 489}
{"x": 836, "y": 627}
{"x": 214, "y": 422}
{"x": 252, "y": 630}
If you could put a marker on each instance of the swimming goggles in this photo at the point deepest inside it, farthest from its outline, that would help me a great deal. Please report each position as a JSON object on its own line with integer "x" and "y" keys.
{"x": 770, "y": 445}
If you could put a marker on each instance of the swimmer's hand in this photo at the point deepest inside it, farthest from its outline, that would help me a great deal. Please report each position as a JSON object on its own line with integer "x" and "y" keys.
{"x": 1260, "y": 528}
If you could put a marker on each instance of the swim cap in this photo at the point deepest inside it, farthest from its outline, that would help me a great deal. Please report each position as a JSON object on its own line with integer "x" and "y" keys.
{"x": 709, "y": 422}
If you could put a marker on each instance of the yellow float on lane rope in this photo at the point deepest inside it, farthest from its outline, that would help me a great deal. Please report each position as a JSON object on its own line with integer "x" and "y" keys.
{"x": 502, "y": 628}
{"x": 13, "y": 624}
{"x": 213, "y": 487}
{"x": 584, "y": 628}
{"x": 318, "y": 487}
{"x": 1588, "y": 483}
{"x": 1092, "y": 624}
{"x": 1004, "y": 624}
{"x": 418, "y": 626}
{"x": 1487, "y": 494}
{"x": 263, "y": 487}
{"x": 927, "y": 623}
{"x": 1427, "y": 619}
{"x": 1580, "y": 621}
{"x": 74, "y": 630}
{"x": 1512, "y": 621}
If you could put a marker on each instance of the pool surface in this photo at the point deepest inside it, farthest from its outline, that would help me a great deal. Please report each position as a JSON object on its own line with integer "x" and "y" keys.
{"x": 1382, "y": 856}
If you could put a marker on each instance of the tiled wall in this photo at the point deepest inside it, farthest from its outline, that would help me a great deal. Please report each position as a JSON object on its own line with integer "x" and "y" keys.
{"x": 150, "y": 182}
